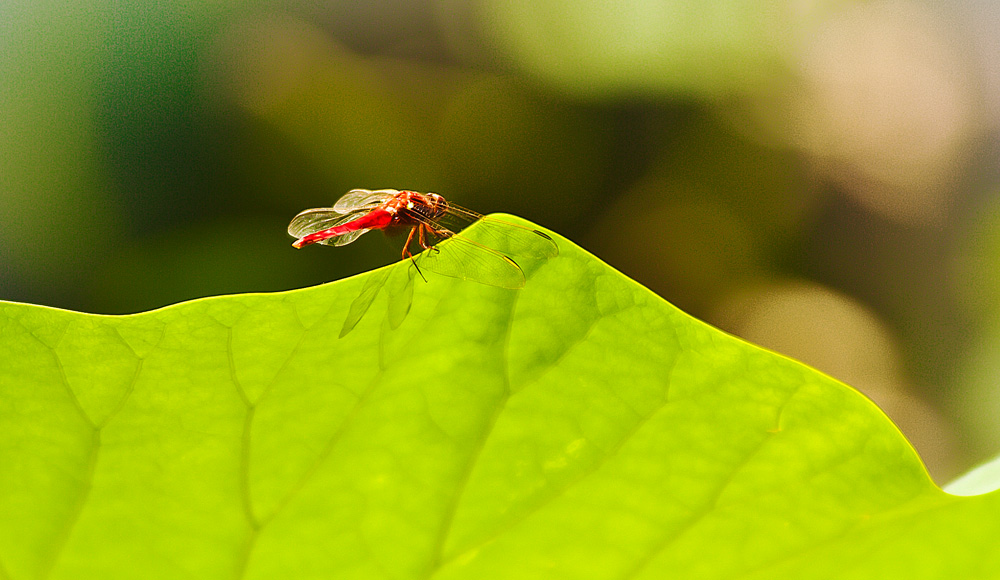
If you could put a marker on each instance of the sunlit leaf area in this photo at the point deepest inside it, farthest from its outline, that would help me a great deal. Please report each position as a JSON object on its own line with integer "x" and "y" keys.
{"x": 819, "y": 178}
{"x": 377, "y": 427}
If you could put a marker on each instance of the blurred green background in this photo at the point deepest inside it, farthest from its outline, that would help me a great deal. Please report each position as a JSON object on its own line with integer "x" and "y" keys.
{"x": 818, "y": 177}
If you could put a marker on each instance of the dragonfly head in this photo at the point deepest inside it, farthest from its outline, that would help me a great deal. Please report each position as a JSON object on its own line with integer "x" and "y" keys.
{"x": 429, "y": 205}
{"x": 437, "y": 203}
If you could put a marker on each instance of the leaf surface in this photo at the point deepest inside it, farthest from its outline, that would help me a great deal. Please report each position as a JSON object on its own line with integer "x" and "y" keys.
{"x": 580, "y": 427}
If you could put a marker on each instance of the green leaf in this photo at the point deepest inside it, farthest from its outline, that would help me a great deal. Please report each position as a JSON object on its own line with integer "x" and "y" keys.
{"x": 580, "y": 427}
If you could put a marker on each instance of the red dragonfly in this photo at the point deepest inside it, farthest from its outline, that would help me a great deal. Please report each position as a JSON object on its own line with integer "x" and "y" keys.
{"x": 481, "y": 255}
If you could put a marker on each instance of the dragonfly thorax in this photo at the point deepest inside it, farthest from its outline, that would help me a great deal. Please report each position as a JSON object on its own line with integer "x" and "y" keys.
{"x": 428, "y": 205}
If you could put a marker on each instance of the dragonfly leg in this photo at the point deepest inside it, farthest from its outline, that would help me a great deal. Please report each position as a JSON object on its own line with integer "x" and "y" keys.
{"x": 424, "y": 228}
{"x": 408, "y": 254}
{"x": 409, "y": 240}
{"x": 428, "y": 229}
{"x": 423, "y": 239}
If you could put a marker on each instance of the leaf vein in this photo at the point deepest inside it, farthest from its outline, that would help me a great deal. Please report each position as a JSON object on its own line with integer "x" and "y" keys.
{"x": 325, "y": 452}
{"x": 545, "y": 500}
{"x": 712, "y": 501}
{"x": 451, "y": 511}
{"x": 86, "y": 485}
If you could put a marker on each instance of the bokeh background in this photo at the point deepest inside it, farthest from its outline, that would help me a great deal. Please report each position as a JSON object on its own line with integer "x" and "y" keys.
{"x": 817, "y": 176}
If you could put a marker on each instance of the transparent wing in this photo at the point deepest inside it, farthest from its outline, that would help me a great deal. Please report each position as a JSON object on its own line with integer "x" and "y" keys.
{"x": 345, "y": 239}
{"x": 484, "y": 253}
{"x": 358, "y": 199}
{"x": 459, "y": 257}
{"x": 313, "y": 220}
{"x": 322, "y": 218}
{"x": 504, "y": 237}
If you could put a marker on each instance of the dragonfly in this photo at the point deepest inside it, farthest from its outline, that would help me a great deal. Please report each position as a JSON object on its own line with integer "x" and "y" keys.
{"x": 485, "y": 254}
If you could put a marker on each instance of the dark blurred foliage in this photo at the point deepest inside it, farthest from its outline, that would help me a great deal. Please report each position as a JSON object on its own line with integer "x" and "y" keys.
{"x": 819, "y": 178}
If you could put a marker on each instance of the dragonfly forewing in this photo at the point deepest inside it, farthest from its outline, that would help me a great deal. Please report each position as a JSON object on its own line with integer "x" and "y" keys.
{"x": 358, "y": 199}
{"x": 505, "y": 237}
{"x": 459, "y": 257}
